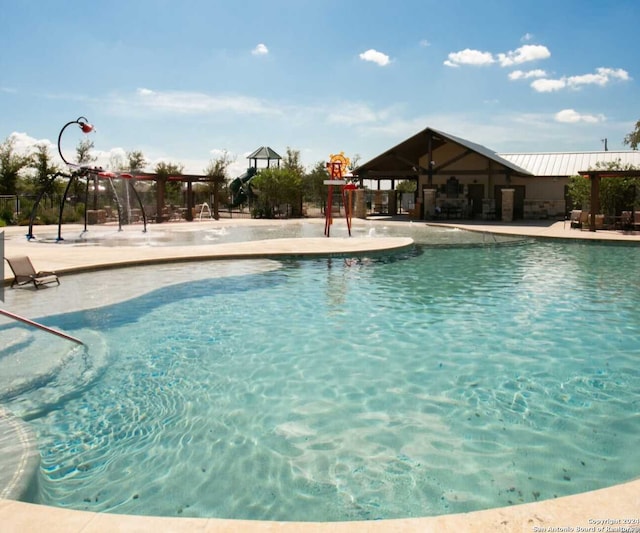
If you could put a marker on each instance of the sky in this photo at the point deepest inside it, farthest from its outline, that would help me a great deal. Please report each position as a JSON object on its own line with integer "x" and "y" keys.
{"x": 187, "y": 81}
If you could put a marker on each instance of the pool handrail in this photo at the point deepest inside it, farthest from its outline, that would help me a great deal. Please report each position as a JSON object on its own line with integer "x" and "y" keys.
{"x": 40, "y": 326}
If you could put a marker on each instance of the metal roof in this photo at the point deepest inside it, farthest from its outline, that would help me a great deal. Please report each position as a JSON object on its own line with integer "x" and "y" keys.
{"x": 404, "y": 157}
{"x": 571, "y": 163}
{"x": 264, "y": 152}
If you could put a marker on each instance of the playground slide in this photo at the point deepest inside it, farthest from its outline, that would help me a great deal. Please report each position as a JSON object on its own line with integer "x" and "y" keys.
{"x": 240, "y": 188}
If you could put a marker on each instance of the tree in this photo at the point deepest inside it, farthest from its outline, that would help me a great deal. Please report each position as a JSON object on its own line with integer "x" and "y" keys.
{"x": 44, "y": 168}
{"x": 163, "y": 171}
{"x": 136, "y": 161}
{"x": 616, "y": 194}
{"x": 83, "y": 152}
{"x": 275, "y": 187}
{"x": 217, "y": 169}
{"x": 291, "y": 161}
{"x": 353, "y": 162}
{"x": 407, "y": 186}
{"x": 11, "y": 166}
{"x": 84, "y": 157}
{"x": 633, "y": 138}
{"x": 313, "y": 187}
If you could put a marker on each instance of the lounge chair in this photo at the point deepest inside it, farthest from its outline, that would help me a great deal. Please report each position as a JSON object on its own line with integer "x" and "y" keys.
{"x": 24, "y": 273}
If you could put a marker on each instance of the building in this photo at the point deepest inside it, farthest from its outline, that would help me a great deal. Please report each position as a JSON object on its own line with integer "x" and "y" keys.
{"x": 458, "y": 178}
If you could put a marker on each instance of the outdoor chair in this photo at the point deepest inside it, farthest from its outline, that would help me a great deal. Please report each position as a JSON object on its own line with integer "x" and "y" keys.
{"x": 574, "y": 218}
{"x": 24, "y": 273}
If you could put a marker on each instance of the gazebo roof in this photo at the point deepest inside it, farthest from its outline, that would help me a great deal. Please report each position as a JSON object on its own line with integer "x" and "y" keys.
{"x": 264, "y": 152}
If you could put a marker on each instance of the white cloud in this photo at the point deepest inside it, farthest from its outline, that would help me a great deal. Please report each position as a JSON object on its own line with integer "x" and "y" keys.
{"x": 469, "y": 57}
{"x": 522, "y": 75}
{"x": 375, "y": 57}
{"x": 260, "y": 50}
{"x": 524, "y": 54}
{"x": 601, "y": 77}
{"x": 24, "y": 143}
{"x": 545, "y": 85}
{"x": 571, "y": 116}
{"x": 526, "y": 37}
{"x": 186, "y": 102}
{"x": 619, "y": 73}
{"x": 424, "y": 43}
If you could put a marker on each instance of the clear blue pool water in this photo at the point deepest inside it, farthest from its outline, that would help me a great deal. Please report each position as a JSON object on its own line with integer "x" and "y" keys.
{"x": 444, "y": 380}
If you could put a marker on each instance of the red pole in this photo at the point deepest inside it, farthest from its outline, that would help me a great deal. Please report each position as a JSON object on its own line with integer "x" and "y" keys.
{"x": 327, "y": 214}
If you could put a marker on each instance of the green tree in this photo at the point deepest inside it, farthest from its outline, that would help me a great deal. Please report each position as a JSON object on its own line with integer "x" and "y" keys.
{"x": 136, "y": 161}
{"x": 217, "y": 170}
{"x": 85, "y": 157}
{"x": 83, "y": 152}
{"x": 166, "y": 189}
{"x": 291, "y": 161}
{"x": 11, "y": 166}
{"x": 633, "y": 138}
{"x": 407, "y": 186}
{"x": 275, "y": 187}
{"x": 616, "y": 194}
{"x": 44, "y": 168}
{"x": 313, "y": 187}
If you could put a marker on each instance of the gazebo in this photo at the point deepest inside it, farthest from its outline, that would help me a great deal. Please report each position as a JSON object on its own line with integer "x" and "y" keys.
{"x": 264, "y": 153}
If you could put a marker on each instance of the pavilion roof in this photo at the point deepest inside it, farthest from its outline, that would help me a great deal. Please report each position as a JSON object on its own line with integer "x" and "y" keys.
{"x": 264, "y": 152}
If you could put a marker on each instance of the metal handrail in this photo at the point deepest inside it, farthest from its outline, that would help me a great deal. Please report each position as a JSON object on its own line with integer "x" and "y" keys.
{"x": 40, "y": 326}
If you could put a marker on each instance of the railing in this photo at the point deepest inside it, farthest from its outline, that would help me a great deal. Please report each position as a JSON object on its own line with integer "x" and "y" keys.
{"x": 40, "y": 326}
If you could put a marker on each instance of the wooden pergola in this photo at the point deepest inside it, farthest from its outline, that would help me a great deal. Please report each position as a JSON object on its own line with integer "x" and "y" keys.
{"x": 595, "y": 176}
{"x": 189, "y": 179}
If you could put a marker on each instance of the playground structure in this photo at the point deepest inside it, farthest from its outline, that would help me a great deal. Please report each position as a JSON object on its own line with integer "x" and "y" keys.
{"x": 240, "y": 188}
{"x": 337, "y": 167}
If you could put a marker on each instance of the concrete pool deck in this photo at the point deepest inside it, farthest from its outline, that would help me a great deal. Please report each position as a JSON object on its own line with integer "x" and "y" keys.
{"x": 614, "y": 507}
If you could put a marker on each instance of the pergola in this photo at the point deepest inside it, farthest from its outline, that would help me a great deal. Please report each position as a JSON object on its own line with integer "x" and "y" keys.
{"x": 595, "y": 176}
{"x": 189, "y": 179}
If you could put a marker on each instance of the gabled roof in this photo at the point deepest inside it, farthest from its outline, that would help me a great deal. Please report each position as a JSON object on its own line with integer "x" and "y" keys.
{"x": 404, "y": 157}
{"x": 264, "y": 152}
{"x": 570, "y": 163}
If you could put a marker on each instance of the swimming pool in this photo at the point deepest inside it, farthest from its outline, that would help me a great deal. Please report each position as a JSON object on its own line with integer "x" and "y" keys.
{"x": 454, "y": 379}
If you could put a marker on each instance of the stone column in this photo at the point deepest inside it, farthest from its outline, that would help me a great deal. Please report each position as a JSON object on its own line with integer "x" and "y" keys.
{"x": 429, "y": 202}
{"x": 507, "y": 204}
{"x": 360, "y": 206}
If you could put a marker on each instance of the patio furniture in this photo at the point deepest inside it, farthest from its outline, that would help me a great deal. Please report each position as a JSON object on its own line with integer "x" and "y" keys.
{"x": 24, "y": 273}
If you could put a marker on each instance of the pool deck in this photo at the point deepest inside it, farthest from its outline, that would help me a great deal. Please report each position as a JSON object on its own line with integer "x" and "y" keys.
{"x": 614, "y": 507}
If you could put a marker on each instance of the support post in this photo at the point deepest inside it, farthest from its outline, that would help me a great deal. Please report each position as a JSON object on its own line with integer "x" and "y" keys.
{"x": 595, "y": 200}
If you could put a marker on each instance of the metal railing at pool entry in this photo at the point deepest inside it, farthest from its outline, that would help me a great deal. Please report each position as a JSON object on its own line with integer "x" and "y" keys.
{"x": 40, "y": 326}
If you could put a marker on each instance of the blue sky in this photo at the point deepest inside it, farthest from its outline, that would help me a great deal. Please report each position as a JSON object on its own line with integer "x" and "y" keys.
{"x": 184, "y": 80}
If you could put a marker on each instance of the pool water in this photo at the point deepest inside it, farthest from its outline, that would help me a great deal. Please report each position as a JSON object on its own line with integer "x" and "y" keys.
{"x": 438, "y": 381}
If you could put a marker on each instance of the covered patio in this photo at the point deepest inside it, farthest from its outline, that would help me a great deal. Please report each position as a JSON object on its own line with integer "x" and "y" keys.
{"x": 454, "y": 177}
